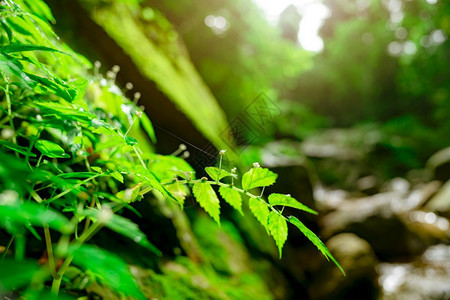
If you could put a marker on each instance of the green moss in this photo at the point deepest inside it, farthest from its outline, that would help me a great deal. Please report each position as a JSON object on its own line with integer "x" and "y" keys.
{"x": 157, "y": 52}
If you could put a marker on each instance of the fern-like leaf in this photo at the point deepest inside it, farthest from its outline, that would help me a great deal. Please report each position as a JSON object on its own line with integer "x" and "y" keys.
{"x": 315, "y": 240}
{"x": 258, "y": 177}
{"x": 216, "y": 174}
{"x": 260, "y": 211}
{"x": 287, "y": 200}
{"x": 207, "y": 199}
{"x": 231, "y": 196}
{"x": 278, "y": 229}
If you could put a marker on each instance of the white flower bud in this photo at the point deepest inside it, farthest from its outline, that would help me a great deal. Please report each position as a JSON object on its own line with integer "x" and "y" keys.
{"x": 222, "y": 152}
{"x": 116, "y": 69}
{"x": 129, "y": 86}
{"x": 256, "y": 165}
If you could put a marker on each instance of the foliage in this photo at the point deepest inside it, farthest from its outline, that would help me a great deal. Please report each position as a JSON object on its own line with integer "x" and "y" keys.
{"x": 73, "y": 160}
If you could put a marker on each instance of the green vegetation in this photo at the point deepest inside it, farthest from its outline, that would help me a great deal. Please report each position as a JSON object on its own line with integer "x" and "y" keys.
{"x": 74, "y": 158}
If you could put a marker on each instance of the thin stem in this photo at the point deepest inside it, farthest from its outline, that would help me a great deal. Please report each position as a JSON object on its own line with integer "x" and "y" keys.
{"x": 10, "y": 116}
{"x": 8, "y": 246}
{"x": 20, "y": 247}
{"x": 48, "y": 243}
{"x": 39, "y": 161}
{"x": 74, "y": 187}
{"x": 56, "y": 284}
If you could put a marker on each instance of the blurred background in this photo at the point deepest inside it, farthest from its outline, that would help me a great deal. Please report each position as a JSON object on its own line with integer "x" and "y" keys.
{"x": 347, "y": 100}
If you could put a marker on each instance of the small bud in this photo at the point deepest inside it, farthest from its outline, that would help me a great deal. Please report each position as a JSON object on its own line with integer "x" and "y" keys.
{"x": 7, "y": 133}
{"x": 129, "y": 86}
{"x": 256, "y": 165}
{"x": 182, "y": 147}
{"x": 97, "y": 64}
{"x": 110, "y": 74}
{"x": 105, "y": 214}
{"x": 9, "y": 197}
{"x": 116, "y": 69}
{"x": 39, "y": 118}
{"x": 137, "y": 96}
{"x": 222, "y": 152}
{"x": 186, "y": 154}
{"x": 204, "y": 179}
{"x": 233, "y": 171}
{"x": 139, "y": 114}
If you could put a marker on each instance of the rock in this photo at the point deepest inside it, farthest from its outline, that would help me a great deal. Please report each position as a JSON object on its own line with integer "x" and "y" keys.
{"x": 378, "y": 219}
{"x": 358, "y": 260}
{"x": 441, "y": 201}
{"x": 425, "y": 278}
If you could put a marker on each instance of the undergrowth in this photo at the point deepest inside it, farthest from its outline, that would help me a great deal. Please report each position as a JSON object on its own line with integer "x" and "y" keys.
{"x": 73, "y": 157}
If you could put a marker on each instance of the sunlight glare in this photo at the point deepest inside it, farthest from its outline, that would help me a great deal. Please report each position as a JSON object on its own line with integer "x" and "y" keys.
{"x": 313, "y": 15}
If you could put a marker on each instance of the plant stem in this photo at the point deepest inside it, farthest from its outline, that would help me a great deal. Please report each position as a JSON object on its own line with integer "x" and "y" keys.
{"x": 48, "y": 244}
{"x": 8, "y": 246}
{"x": 56, "y": 284}
{"x": 10, "y": 116}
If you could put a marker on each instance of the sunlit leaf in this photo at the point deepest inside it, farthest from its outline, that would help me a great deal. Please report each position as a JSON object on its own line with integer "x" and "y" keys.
{"x": 278, "y": 229}
{"x": 258, "y": 177}
{"x": 259, "y": 210}
{"x": 315, "y": 240}
{"x": 232, "y": 197}
{"x": 287, "y": 200}
{"x": 216, "y": 174}
{"x": 50, "y": 149}
{"x": 207, "y": 198}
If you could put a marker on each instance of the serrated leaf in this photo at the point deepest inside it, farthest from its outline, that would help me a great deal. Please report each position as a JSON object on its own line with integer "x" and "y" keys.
{"x": 207, "y": 199}
{"x": 260, "y": 211}
{"x": 216, "y": 174}
{"x": 232, "y": 197}
{"x": 287, "y": 200}
{"x": 315, "y": 240}
{"x": 258, "y": 177}
{"x": 124, "y": 227}
{"x": 50, "y": 149}
{"x": 278, "y": 229}
{"x": 108, "y": 267}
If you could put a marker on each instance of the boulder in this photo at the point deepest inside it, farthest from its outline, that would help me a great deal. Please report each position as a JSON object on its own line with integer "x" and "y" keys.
{"x": 358, "y": 260}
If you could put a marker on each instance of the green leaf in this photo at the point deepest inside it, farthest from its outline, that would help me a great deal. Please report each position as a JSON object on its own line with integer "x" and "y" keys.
{"x": 260, "y": 211}
{"x": 287, "y": 200}
{"x": 315, "y": 240}
{"x": 50, "y": 149}
{"x": 148, "y": 127}
{"x": 109, "y": 268}
{"x": 15, "y": 274}
{"x": 216, "y": 174}
{"x": 97, "y": 169}
{"x": 207, "y": 199}
{"x": 17, "y": 148}
{"x": 29, "y": 213}
{"x": 117, "y": 176}
{"x": 22, "y": 47}
{"x": 231, "y": 196}
{"x": 124, "y": 227}
{"x": 278, "y": 229}
{"x": 258, "y": 177}
{"x": 130, "y": 140}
